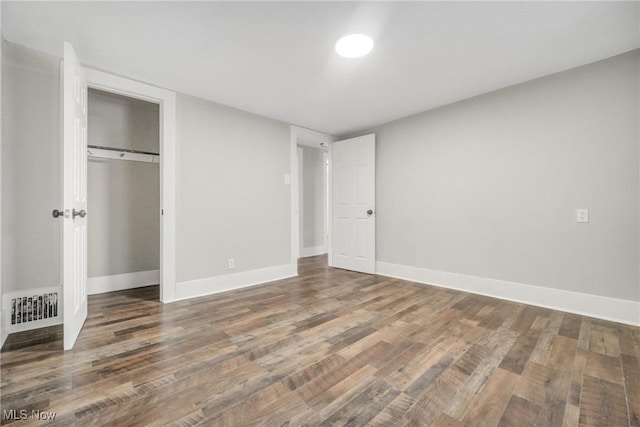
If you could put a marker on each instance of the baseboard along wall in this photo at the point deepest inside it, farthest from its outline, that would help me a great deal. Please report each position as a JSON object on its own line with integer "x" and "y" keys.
{"x": 120, "y": 282}
{"x": 228, "y": 282}
{"x": 313, "y": 251}
{"x": 613, "y": 309}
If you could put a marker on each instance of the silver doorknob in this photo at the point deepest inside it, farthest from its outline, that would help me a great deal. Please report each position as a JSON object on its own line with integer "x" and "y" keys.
{"x": 369, "y": 212}
{"x": 81, "y": 213}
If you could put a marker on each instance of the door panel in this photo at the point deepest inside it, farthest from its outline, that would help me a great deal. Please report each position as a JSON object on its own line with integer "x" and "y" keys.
{"x": 353, "y": 195}
{"x": 74, "y": 189}
{"x": 362, "y": 239}
{"x": 362, "y": 174}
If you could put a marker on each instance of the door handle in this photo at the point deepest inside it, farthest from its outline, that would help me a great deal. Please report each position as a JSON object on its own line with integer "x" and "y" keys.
{"x": 81, "y": 213}
{"x": 56, "y": 213}
{"x": 369, "y": 212}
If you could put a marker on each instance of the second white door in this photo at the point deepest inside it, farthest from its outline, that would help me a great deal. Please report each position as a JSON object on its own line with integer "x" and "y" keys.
{"x": 353, "y": 192}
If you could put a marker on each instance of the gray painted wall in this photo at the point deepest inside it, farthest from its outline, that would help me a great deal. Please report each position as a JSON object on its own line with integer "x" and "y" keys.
{"x": 486, "y": 187}
{"x": 231, "y": 196}
{"x": 489, "y": 186}
{"x": 123, "y": 196}
{"x": 30, "y": 168}
{"x": 312, "y": 197}
{"x": 122, "y": 122}
{"x": 232, "y": 200}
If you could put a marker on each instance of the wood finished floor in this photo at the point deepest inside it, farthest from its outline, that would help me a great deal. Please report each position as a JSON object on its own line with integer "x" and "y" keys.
{"x": 330, "y": 347}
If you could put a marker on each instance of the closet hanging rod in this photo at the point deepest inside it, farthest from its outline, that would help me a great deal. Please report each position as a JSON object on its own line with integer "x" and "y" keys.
{"x": 97, "y": 152}
{"x": 123, "y": 150}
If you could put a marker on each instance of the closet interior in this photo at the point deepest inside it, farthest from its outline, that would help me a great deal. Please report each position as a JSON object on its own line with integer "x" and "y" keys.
{"x": 123, "y": 192}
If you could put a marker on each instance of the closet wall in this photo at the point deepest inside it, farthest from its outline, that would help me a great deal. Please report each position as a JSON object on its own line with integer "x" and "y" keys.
{"x": 123, "y": 196}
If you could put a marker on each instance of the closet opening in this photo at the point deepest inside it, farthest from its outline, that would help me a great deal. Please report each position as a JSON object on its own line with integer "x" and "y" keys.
{"x": 313, "y": 166}
{"x": 123, "y": 195}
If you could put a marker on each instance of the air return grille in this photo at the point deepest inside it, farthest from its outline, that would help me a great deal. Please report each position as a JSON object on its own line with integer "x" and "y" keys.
{"x": 34, "y": 307}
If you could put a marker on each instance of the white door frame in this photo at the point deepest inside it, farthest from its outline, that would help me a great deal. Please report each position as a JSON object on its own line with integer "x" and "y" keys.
{"x": 302, "y": 136}
{"x": 166, "y": 100}
{"x": 299, "y": 154}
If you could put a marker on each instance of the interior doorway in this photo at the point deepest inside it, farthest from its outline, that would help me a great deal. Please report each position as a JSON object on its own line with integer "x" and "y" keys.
{"x": 76, "y": 81}
{"x": 166, "y": 101}
{"x": 123, "y": 193}
{"x": 350, "y": 215}
{"x": 310, "y": 225}
{"x": 313, "y": 199}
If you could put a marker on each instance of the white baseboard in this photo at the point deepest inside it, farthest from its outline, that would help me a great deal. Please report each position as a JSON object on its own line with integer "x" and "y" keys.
{"x": 313, "y": 251}
{"x": 617, "y": 310}
{"x": 21, "y": 327}
{"x": 119, "y": 282}
{"x": 228, "y": 282}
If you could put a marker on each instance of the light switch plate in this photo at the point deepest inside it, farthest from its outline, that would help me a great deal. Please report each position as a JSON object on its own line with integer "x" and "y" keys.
{"x": 582, "y": 215}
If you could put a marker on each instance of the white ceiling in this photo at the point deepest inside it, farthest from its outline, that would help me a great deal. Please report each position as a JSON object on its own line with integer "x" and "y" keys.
{"x": 277, "y": 58}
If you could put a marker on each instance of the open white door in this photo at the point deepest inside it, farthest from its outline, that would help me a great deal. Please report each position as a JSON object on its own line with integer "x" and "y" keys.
{"x": 353, "y": 192}
{"x": 74, "y": 189}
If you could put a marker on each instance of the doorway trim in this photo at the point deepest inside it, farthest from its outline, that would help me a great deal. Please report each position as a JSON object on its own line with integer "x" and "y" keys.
{"x": 302, "y": 136}
{"x": 166, "y": 100}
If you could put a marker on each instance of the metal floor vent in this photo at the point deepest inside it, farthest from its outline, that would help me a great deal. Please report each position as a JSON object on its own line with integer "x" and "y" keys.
{"x": 34, "y": 307}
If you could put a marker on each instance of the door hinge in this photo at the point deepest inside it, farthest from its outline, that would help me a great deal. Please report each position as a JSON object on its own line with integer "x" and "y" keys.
{"x": 161, "y": 211}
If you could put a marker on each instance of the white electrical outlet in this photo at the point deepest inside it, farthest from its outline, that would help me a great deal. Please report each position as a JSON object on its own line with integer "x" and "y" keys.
{"x": 582, "y": 215}
{"x": 231, "y": 263}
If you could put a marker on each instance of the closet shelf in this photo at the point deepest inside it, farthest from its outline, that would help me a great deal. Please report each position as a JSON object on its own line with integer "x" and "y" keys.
{"x": 96, "y": 151}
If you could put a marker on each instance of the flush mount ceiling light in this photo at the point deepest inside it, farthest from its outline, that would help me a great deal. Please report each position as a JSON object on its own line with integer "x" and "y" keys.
{"x": 354, "y": 45}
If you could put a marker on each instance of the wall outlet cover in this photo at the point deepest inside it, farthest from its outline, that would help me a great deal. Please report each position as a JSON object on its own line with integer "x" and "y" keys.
{"x": 582, "y": 215}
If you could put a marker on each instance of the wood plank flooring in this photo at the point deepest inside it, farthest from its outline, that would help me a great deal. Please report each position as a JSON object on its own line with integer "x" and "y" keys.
{"x": 329, "y": 347}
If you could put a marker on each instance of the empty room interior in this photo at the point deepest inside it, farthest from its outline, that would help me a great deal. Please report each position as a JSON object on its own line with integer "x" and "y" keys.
{"x": 320, "y": 213}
